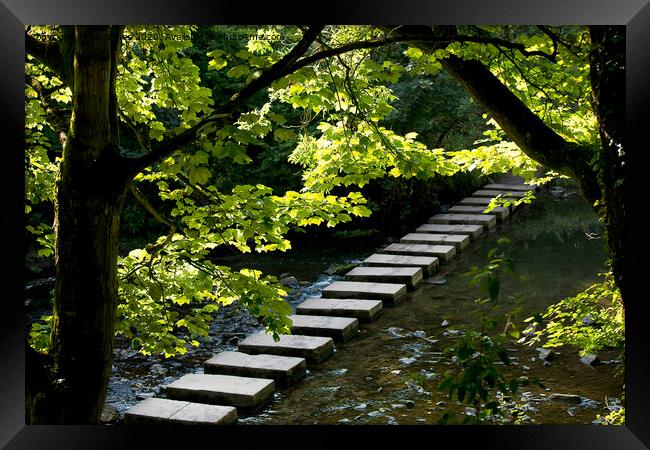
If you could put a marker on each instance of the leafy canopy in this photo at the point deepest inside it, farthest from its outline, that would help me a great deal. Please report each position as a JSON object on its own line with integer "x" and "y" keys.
{"x": 333, "y": 111}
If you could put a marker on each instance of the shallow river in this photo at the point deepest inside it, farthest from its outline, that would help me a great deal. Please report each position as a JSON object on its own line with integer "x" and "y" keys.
{"x": 389, "y": 372}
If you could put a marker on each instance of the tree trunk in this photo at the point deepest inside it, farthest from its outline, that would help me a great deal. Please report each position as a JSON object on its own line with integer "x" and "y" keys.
{"x": 91, "y": 189}
{"x": 607, "y": 73}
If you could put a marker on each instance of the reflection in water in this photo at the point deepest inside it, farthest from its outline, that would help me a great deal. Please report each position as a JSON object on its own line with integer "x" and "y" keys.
{"x": 388, "y": 374}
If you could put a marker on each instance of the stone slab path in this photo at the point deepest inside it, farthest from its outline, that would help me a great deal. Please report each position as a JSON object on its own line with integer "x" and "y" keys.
{"x": 499, "y": 211}
{"x": 363, "y": 310}
{"x": 487, "y": 220}
{"x": 243, "y": 381}
{"x": 244, "y": 393}
{"x": 461, "y": 241}
{"x": 511, "y": 187}
{"x": 493, "y": 193}
{"x": 164, "y": 411}
{"x": 284, "y": 370}
{"x": 473, "y": 231}
{"x": 428, "y": 264}
{"x": 410, "y": 276}
{"x": 313, "y": 348}
{"x": 338, "y": 328}
{"x": 390, "y": 293}
{"x": 443, "y": 252}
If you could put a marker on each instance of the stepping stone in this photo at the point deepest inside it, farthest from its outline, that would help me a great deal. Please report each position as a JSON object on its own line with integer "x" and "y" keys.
{"x": 338, "y": 328}
{"x": 410, "y": 276}
{"x": 473, "y": 231}
{"x": 364, "y": 310}
{"x": 499, "y": 211}
{"x": 475, "y": 201}
{"x": 389, "y": 293}
{"x": 494, "y": 193}
{"x": 284, "y": 370}
{"x": 313, "y": 348}
{"x": 461, "y": 241}
{"x": 164, "y": 411}
{"x": 444, "y": 252}
{"x": 511, "y": 187}
{"x": 487, "y": 220}
{"x": 246, "y": 394}
{"x": 428, "y": 264}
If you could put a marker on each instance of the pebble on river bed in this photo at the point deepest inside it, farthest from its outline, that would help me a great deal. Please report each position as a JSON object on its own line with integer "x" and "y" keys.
{"x": 407, "y": 361}
{"x": 566, "y": 398}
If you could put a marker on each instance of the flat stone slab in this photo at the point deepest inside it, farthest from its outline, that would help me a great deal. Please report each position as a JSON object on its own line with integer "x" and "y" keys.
{"x": 244, "y": 393}
{"x": 364, "y": 310}
{"x": 313, "y": 348}
{"x": 511, "y": 187}
{"x": 473, "y": 231}
{"x": 461, "y": 241}
{"x": 486, "y": 220}
{"x": 428, "y": 264}
{"x": 499, "y": 211}
{"x": 444, "y": 252}
{"x": 410, "y": 276}
{"x": 493, "y": 193}
{"x": 164, "y": 411}
{"x": 390, "y": 293}
{"x": 284, "y": 370}
{"x": 338, "y": 328}
{"x": 475, "y": 201}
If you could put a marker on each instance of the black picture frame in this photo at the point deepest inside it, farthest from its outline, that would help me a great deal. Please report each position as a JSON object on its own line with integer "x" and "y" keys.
{"x": 14, "y": 14}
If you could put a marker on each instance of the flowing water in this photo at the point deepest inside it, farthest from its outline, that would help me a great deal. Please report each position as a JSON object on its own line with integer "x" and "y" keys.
{"x": 388, "y": 373}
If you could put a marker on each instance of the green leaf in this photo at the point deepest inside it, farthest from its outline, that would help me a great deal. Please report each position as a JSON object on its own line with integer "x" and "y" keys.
{"x": 413, "y": 53}
{"x": 217, "y": 64}
{"x": 238, "y": 72}
{"x": 200, "y": 175}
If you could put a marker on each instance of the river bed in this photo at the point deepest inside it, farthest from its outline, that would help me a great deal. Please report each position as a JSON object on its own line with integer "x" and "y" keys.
{"x": 388, "y": 374}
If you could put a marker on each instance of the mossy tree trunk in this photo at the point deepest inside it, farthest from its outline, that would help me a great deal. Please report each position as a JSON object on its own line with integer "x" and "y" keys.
{"x": 91, "y": 189}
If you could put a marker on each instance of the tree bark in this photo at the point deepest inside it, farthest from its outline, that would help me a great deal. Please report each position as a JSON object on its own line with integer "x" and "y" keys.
{"x": 607, "y": 73}
{"x": 91, "y": 189}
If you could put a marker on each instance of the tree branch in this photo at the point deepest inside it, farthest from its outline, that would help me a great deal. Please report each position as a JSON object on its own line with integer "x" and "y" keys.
{"x": 276, "y": 71}
{"x": 525, "y": 128}
{"x": 288, "y": 64}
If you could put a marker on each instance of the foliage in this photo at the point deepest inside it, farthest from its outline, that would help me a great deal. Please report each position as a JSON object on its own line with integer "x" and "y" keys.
{"x": 616, "y": 416}
{"x": 562, "y": 98}
{"x": 592, "y": 320}
{"x": 332, "y": 123}
{"x": 478, "y": 381}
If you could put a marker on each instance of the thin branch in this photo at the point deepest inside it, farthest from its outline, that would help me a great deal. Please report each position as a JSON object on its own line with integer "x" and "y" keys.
{"x": 136, "y": 132}
{"x": 48, "y": 54}
{"x": 149, "y": 207}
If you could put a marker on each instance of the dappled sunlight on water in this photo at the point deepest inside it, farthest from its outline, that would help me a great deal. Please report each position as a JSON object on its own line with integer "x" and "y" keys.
{"x": 389, "y": 373}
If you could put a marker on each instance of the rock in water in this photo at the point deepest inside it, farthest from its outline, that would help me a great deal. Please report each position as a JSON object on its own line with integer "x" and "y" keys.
{"x": 435, "y": 280}
{"x": 291, "y": 282}
{"x": 572, "y": 398}
{"x": 407, "y": 361}
{"x": 339, "y": 269}
{"x": 546, "y": 354}
{"x": 109, "y": 414}
{"x": 590, "y": 360}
